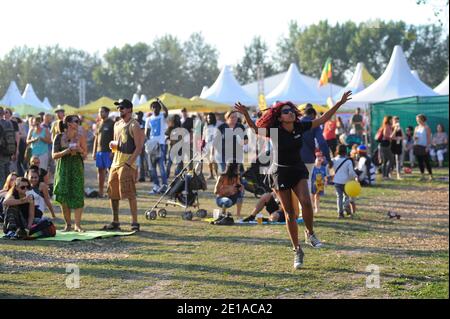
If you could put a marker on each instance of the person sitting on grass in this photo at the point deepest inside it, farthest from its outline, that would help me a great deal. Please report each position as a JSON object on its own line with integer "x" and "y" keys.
{"x": 9, "y": 184}
{"x": 272, "y": 205}
{"x": 343, "y": 172}
{"x": 229, "y": 191}
{"x": 19, "y": 210}
{"x": 43, "y": 174}
{"x": 40, "y": 193}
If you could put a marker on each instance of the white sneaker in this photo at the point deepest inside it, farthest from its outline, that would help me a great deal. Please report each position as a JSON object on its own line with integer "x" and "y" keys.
{"x": 298, "y": 259}
{"x": 312, "y": 240}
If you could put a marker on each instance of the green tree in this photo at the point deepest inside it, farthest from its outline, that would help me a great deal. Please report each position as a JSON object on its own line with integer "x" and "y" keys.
{"x": 201, "y": 64}
{"x": 256, "y": 55}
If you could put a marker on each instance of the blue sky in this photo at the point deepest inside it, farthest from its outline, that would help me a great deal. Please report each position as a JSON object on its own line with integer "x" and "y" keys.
{"x": 96, "y": 25}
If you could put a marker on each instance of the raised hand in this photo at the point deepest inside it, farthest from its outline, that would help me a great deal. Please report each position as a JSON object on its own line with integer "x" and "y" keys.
{"x": 240, "y": 108}
{"x": 345, "y": 97}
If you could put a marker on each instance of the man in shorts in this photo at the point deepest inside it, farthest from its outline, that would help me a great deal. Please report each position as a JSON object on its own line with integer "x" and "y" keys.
{"x": 101, "y": 153}
{"x": 126, "y": 146}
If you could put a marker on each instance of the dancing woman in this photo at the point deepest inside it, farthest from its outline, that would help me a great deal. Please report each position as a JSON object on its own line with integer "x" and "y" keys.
{"x": 288, "y": 172}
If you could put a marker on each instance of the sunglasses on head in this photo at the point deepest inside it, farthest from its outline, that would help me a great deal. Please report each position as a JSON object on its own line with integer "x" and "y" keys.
{"x": 75, "y": 121}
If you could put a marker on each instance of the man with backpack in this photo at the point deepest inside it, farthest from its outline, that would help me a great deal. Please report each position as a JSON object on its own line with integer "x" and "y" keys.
{"x": 8, "y": 145}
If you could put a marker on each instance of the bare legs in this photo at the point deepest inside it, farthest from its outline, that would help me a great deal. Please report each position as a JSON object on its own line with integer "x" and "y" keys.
{"x": 68, "y": 218}
{"x": 302, "y": 192}
{"x": 133, "y": 209}
{"x": 101, "y": 181}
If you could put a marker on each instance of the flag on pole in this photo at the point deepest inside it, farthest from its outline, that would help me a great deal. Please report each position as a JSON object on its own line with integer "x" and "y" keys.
{"x": 326, "y": 73}
{"x": 262, "y": 102}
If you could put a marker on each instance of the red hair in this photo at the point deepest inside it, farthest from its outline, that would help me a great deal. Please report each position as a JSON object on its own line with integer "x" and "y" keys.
{"x": 269, "y": 118}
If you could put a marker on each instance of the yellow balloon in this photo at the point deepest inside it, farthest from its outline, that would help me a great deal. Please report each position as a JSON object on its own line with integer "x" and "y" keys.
{"x": 352, "y": 188}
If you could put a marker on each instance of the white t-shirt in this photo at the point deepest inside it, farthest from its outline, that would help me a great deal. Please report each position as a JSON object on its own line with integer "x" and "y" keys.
{"x": 157, "y": 126}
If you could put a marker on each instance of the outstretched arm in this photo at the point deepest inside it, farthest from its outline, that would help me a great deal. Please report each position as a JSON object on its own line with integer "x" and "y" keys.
{"x": 240, "y": 108}
{"x": 321, "y": 120}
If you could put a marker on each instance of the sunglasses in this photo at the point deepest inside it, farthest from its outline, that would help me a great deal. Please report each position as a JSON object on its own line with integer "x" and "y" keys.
{"x": 24, "y": 187}
{"x": 287, "y": 111}
{"x": 75, "y": 121}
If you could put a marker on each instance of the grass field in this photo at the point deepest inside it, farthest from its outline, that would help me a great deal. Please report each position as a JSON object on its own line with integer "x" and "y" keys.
{"x": 173, "y": 258}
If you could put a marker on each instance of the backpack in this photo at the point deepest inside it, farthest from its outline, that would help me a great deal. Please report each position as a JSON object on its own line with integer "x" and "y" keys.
{"x": 7, "y": 139}
{"x": 44, "y": 228}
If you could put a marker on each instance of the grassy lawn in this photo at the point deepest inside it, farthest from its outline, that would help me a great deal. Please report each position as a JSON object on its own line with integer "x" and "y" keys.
{"x": 173, "y": 258}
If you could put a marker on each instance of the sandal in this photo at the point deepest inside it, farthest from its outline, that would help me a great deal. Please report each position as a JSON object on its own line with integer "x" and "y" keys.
{"x": 135, "y": 227}
{"x": 112, "y": 227}
{"x": 79, "y": 229}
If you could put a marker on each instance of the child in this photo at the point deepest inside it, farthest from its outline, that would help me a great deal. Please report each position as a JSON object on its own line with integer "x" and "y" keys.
{"x": 364, "y": 167}
{"x": 343, "y": 172}
{"x": 318, "y": 181}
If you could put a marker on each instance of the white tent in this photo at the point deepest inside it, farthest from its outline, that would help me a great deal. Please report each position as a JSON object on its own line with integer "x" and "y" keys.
{"x": 271, "y": 82}
{"x": 31, "y": 98}
{"x": 396, "y": 82}
{"x": 135, "y": 99}
{"x": 293, "y": 88}
{"x": 12, "y": 96}
{"x": 142, "y": 100}
{"x": 46, "y": 102}
{"x": 442, "y": 89}
{"x": 360, "y": 80}
{"x": 227, "y": 90}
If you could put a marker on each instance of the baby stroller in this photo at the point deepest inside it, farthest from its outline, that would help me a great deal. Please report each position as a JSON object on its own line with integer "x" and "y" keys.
{"x": 182, "y": 192}
{"x": 255, "y": 182}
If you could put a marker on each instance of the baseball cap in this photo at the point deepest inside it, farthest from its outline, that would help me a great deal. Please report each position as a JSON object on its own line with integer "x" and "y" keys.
{"x": 362, "y": 148}
{"x": 59, "y": 109}
{"x": 124, "y": 103}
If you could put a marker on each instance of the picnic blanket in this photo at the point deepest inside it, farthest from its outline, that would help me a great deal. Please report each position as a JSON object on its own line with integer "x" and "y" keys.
{"x": 88, "y": 235}
{"x": 299, "y": 221}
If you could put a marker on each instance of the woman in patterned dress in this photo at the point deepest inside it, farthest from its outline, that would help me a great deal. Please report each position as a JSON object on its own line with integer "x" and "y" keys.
{"x": 69, "y": 150}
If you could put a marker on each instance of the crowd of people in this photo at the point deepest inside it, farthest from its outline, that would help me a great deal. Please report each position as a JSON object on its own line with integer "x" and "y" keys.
{"x": 43, "y": 157}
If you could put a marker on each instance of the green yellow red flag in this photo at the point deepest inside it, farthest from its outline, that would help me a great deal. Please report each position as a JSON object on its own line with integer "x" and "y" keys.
{"x": 326, "y": 73}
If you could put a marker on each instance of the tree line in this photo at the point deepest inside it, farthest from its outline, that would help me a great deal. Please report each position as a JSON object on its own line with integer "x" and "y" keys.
{"x": 183, "y": 68}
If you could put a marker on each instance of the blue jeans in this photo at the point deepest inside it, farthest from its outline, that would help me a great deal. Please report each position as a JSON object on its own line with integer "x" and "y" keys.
{"x": 160, "y": 161}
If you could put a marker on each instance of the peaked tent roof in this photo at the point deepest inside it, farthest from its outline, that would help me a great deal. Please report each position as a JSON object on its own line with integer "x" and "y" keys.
{"x": 46, "y": 102}
{"x": 31, "y": 98}
{"x": 12, "y": 96}
{"x": 135, "y": 99}
{"x": 272, "y": 82}
{"x": 293, "y": 88}
{"x": 442, "y": 89}
{"x": 142, "y": 100}
{"x": 361, "y": 79}
{"x": 227, "y": 90}
{"x": 397, "y": 81}
{"x": 416, "y": 74}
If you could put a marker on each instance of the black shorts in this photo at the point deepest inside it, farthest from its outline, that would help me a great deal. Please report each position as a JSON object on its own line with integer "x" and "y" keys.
{"x": 287, "y": 177}
{"x": 282, "y": 217}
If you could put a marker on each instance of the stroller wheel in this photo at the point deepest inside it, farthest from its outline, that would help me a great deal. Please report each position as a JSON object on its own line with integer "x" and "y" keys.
{"x": 162, "y": 212}
{"x": 187, "y": 215}
{"x": 201, "y": 213}
{"x": 150, "y": 214}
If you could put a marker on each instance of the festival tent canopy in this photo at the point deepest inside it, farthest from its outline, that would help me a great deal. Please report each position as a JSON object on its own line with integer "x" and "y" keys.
{"x": 202, "y": 105}
{"x": 293, "y": 88}
{"x": 442, "y": 89}
{"x": 135, "y": 99}
{"x": 142, "y": 100}
{"x": 12, "y": 96}
{"x": 46, "y": 103}
{"x": 361, "y": 79}
{"x": 317, "y": 107}
{"x": 30, "y": 98}
{"x": 24, "y": 110}
{"x": 416, "y": 74}
{"x": 171, "y": 101}
{"x": 227, "y": 90}
{"x": 92, "y": 108}
{"x": 396, "y": 82}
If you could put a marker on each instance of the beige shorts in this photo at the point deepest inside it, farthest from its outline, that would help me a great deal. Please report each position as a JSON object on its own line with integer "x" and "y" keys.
{"x": 122, "y": 183}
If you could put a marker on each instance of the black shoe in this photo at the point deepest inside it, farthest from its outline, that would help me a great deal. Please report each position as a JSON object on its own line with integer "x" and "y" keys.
{"x": 141, "y": 180}
{"x": 341, "y": 216}
{"x": 226, "y": 221}
{"x": 135, "y": 227}
{"x": 249, "y": 219}
{"x": 221, "y": 216}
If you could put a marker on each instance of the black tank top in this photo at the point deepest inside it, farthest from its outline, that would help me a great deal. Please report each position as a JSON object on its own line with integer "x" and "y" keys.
{"x": 127, "y": 145}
